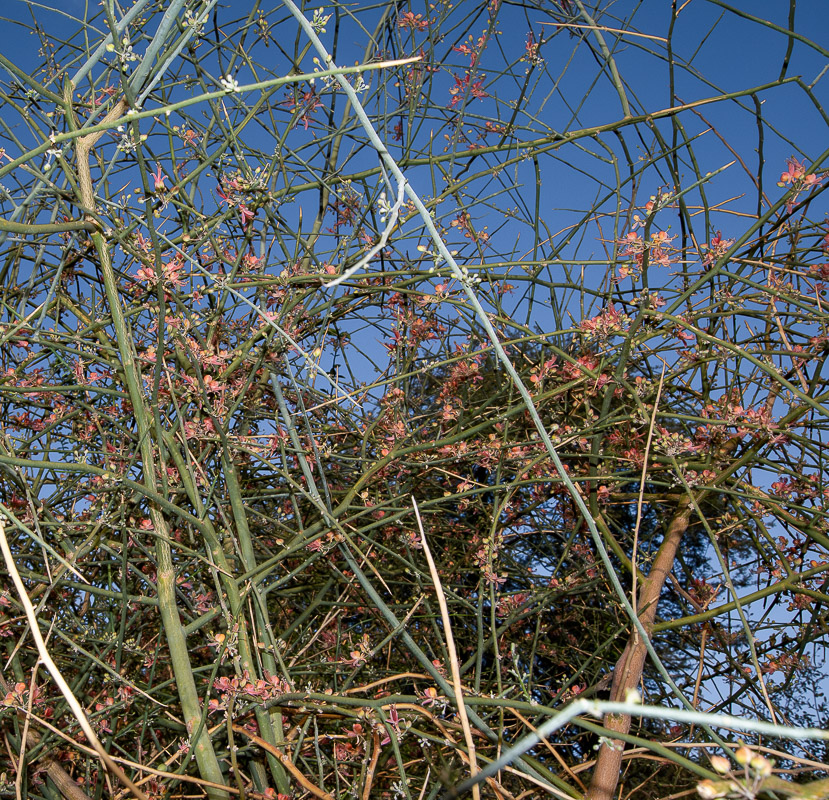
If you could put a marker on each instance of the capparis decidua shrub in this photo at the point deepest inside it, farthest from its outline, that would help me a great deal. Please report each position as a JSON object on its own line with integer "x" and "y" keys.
{"x": 384, "y": 383}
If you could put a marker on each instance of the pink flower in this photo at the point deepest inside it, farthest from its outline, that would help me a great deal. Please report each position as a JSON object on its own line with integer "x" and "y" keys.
{"x": 211, "y": 384}
{"x": 394, "y": 722}
{"x": 159, "y": 178}
{"x": 430, "y": 696}
{"x": 796, "y": 174}
{"x": 224, "y": 197}
{"x": 794, "y": 171}
{"x": 477, "y": 89}
{"x": 414, "y": 21}
{"x": 146, "y": 275}
{"x": 462, "y": 84}
{"x": 246, "y": 213}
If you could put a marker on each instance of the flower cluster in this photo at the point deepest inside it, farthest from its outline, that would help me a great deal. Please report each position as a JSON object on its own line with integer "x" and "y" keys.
{"x": 415, "y": 22}
{"x": 634, "y": 247}
{"x": 797, "y": 179}
{"x": 606, "y": 324}
{"x": 746, "y": 783}
{"x": 320, "y": 20}
{"x": 261, "y": 689}
{"x": 716, "y": 249}
{"x": 464, "y": 85}
{"x": 233, "y": 190}
{"x": 532, "y": 51}
{"x": 463, "y": 222}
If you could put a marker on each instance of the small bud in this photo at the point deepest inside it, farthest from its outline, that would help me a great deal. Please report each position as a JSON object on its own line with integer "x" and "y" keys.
{"x": 720, "y": 764}
{"x": 742, "y": 756}
{"x": 709, "y": 790}
{"x": 761, "y": 766}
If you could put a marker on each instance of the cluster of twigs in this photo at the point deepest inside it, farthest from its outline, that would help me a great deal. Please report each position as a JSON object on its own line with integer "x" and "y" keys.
{"x": 358, "y": 420}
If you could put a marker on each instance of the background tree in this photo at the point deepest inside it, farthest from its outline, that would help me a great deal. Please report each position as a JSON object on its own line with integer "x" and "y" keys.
{"x": 585, "y": 335}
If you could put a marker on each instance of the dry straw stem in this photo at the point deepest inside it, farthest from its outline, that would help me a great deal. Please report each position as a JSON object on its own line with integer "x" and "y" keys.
{"x": 605, "y": 29}
{"x": 375, "y": 754}
{"x": 71, "y": 700}
{"x": 453, "y": 656}
{"x": 70, "y": 790}
{"x": 642, "y": 481}
{"x": 66, "y": 785}
{"x": 287, "y": 763}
